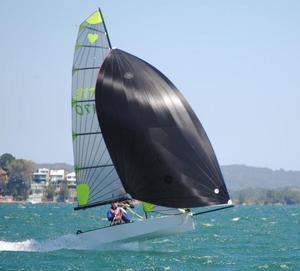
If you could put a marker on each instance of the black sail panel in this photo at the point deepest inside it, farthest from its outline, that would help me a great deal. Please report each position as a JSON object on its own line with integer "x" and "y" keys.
{"x": 156, "y": 142}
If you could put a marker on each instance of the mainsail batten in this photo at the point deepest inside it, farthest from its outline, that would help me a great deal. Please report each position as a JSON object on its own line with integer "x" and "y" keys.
{"x": 157, "y": 144}
{"x": 97, "y": 179}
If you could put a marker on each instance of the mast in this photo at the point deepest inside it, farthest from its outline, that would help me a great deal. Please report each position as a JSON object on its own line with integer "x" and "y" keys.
{"x": 106, "y": 33}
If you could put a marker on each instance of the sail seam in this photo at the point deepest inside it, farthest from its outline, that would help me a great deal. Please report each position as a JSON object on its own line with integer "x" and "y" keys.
{"x": 95, "y": 29}
{"x": 94, "y": 46}
{"x": 92, "y": 133}
{"x": 100, "y": 166}
{"x": 82, "y": 101}
{"x": 83, "y": 69}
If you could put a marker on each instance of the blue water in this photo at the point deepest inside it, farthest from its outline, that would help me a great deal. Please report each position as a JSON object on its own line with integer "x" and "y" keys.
{"x": 36, "y": 237}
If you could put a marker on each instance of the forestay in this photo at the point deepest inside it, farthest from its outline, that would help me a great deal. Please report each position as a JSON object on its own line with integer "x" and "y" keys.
{"x": 97, "y": 179}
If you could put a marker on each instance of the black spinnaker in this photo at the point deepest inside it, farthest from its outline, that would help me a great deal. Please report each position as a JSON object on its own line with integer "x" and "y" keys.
{"x": 156, "y": 142}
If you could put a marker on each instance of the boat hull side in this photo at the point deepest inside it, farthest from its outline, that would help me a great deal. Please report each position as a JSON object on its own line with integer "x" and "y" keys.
{"x": 137, "y": 231}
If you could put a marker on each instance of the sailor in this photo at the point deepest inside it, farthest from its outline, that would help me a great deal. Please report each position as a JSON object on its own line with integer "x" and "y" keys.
{"x": 123, "y": 206}
{"x": 116, "y": 214}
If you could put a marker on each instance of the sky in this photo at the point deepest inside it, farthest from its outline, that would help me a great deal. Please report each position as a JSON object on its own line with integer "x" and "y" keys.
{"x": 236, "y": 62}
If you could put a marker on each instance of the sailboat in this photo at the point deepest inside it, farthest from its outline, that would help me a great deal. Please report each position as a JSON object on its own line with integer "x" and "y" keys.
{"x": 136, "y": 137}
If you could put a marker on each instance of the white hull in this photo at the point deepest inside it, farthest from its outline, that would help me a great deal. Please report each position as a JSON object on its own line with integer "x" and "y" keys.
{"x": 136, "y": 231}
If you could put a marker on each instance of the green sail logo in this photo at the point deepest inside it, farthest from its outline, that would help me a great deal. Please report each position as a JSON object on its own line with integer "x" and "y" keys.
{"x": 92, "y": 37}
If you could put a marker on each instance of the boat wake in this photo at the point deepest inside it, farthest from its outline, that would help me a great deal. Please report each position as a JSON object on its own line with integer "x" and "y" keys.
{"x": 69, "y": 241}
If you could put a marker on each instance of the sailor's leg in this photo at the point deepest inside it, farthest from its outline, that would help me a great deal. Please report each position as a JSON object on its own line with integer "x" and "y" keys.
{"x": 125, "y": 218}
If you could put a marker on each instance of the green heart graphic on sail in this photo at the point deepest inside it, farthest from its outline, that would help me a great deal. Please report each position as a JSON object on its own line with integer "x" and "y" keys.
{"x": 92, "y": 38}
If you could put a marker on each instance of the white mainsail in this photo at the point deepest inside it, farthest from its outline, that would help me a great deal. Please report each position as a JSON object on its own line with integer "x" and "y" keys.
{"x": 97, "y": 179}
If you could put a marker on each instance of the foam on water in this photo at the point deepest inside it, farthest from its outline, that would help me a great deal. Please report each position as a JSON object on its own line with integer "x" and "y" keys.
{"x": 69, "y": 241}
{"x": 161, "y": 241}
{"x": 207, "y": 225}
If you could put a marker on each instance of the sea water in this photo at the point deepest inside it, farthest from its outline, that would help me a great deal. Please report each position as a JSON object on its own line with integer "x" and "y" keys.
{"x": 41, "y": 237}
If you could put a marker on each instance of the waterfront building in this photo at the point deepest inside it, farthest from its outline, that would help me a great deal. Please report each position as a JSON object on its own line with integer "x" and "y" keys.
{"x": 40, "y": 180}
{"x": 41, "y": 176}
{"x": 57, "y": 176}
{"x": 37, "y": 192}
{"x": 71, "y": 179}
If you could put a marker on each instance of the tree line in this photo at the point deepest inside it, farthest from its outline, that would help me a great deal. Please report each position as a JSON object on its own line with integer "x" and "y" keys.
{"x": 16, "y": 178}
{"x": 284, "y": 195}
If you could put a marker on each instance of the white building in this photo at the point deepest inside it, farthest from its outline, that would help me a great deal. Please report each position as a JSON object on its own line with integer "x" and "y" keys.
{"x": 37, "y": 191}
{"x": 41, "y": 176}
{"x": 40, "y": 179}
{"x": 71, "y": 180}
{"x": 57, "y": 176}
